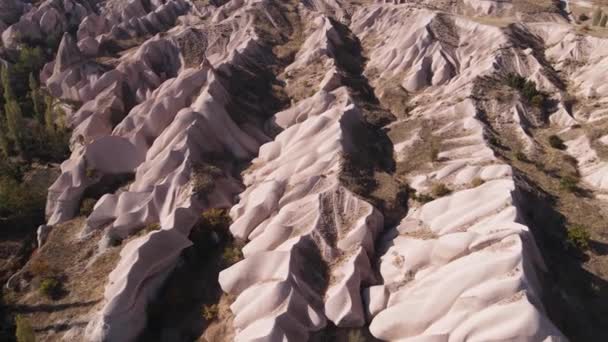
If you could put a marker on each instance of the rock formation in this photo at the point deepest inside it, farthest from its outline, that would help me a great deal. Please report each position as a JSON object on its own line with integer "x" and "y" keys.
{"x": 306, "y": 120}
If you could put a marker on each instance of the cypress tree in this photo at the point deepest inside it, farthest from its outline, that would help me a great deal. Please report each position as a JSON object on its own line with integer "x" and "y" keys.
{"x": 12, "y": 110}
{"x": 7, "y": 88}
{"x": 4, "y": 142}
{"x": 14, "y": 123}
{"x": 48, "y": 116}
{"x": 36, "y": 100}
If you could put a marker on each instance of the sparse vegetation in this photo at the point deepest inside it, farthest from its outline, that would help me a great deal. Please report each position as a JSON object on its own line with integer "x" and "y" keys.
{"x": 569, "y": 183}
{"x": 150, "y": 227}
{"x": 520, "y": 156}
{"x": 90, "y": 173}
{"x": 477, "y": 181}
{"x": 23, "y": 330}
{"x": 203, "y": 178}
{"x": 537, "y": 101}
{"x": 422, "y": 198}
{"x": 216, "y": 218}
{"x": 49, "y": 287}
{"x": 527, "y": 89}
{"x": 356, "y": 335}
{"x": 86, "y": 206}
{"x": 114, "y": 241}
{"x": 440, "y": 190}
{"x": 232, "y": 254}
{"x": 578, "y": 237}
{"x": 556, "y": 142}
{"x": 358, "y": 178}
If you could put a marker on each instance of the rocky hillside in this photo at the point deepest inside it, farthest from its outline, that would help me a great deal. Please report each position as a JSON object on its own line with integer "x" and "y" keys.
{"x": 310, "y": 170}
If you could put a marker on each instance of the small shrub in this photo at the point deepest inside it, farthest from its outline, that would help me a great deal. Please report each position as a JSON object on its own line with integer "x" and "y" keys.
{"x": 422, "y": 198}
{"x": 216, "y": 218}
{"x": 519, "y": 155}
{"x": 515, "y": 81}
{"x": 114, "y": 241}
{"x": 91, "y": 173}
{"x": 356, "y": 336}
{"x": 87, "y": 206}
{"x": 202, "y": 182}
{"x": 232, "y": 255}
{"x": 578, "y": 237}
{"x": 526, "y": 88}
{"x": 356, "y": 173}
{"x": 203, "y": 178}
{"x": 556, "y": 142}
{"x": 583, "y": 17}
{"x": 538, "y": 101}
{"x": 150, "y": 227}
{"x": 49, "y": 287}
{"x": 529, "y": 91}
{"x": 24, "y": 331}
{"x": 440, "y": 190}
{"x": 493, "y": 140}
{"x": 568, "y": 183}
{"x": 210, "y": 312}
{"x": 477, "y": 181}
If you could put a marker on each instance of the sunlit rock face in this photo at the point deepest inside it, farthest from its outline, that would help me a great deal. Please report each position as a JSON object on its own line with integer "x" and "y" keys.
{"x": 312, "y": 123}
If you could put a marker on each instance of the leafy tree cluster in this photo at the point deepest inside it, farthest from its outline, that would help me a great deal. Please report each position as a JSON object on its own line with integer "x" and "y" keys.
{"x": 30, "y": 119}
{"x": 30, "y": 129}
{"x": 527, "y": 89}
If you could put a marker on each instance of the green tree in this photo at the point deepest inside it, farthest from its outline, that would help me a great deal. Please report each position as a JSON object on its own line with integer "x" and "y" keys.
{"x": 36, "y": 98}
{"x": 14, "y": 123}
{"x": 4, "y": 141}
{"x": 49, "y": 116}
{"x": 7, "y": 88}
{"x": 12, "y": 110}
{"x": 30, "y": 60}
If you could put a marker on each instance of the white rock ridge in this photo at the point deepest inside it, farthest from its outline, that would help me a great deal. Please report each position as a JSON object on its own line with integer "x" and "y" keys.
{"x": 459, "y": 264}
{"x": 296, "y": 214}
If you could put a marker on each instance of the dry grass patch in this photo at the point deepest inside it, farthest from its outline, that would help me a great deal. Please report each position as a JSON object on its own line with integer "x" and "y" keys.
{"x": 66, "y": 273}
